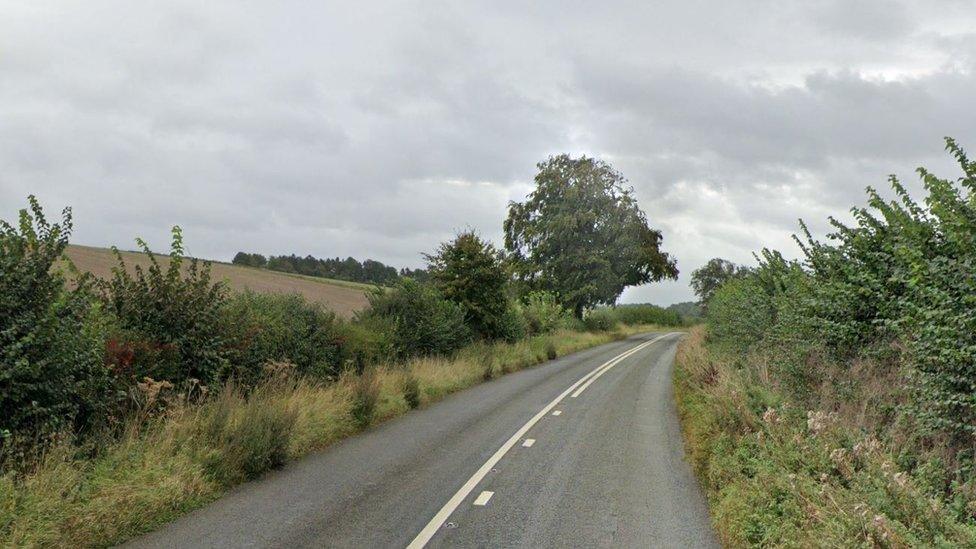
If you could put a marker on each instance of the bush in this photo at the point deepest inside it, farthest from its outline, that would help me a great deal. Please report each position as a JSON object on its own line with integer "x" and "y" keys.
{"x": 421, "y": 320}
{"x": 896, "y": 289}
{"x": 647, "y": 314}
{"x": 740, "y": 311}
{"x": 832, "y": 474}
{"x": 469, "y": 272}
{"x": 511, "y": 325}
{"x": 370, "y": 339}
{"x": 175, "y": 316}
{"x": 266, "y": 328}
{"x": 543, "y": 313}
{"x": 51, "y": 339}
{"x": 600, "y": 320}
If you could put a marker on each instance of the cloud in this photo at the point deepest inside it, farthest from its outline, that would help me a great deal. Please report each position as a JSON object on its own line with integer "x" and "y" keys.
{"x": 378, "y": 131}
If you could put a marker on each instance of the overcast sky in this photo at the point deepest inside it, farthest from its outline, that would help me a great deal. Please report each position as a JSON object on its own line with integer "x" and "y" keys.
{"x": 379, "y": 131}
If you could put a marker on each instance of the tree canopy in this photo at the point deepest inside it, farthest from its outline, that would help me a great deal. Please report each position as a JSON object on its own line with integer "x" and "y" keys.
{"x": 470, "y": 272}
{"x": 709, "y": 277}
{"x": 581, "y": 235}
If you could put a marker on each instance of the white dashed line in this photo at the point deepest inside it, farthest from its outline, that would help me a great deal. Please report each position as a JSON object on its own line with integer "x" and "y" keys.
{"x": 528, "y": 442}
{"x": 483, "y": 498}
{"x": 444, "y": 513}
{"x": 557, "y": 412}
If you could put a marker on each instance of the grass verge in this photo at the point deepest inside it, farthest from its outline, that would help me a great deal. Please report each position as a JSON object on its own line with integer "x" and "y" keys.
{"x": 782, "y": 475}
{"x": 158, "y": 469}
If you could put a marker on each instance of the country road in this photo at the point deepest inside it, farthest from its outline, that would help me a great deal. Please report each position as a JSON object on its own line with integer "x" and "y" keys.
{"x": 583, "y": 451}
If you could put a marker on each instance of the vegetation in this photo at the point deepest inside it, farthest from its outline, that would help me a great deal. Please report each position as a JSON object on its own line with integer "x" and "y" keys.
{"x": 173, "y": 464}
{"x": 369, "y": 271}
{"x": 581, "y": 236}
{"x": 645, "y": 313}
{"x": 470, "y": 272}
{"x": 833, "y": 400}
{"x": 53, "y": 378}
{"x": 421, "y": 320}
{"x": 690, "y": 311}
{"x": 170, "y": 321}
{"x": 250, "y": 260}
{"x": 137, "y": 397}
{"x": 284, "y": 329}
{"x": 543, "y": 314}
{"x": 709, "y": 277}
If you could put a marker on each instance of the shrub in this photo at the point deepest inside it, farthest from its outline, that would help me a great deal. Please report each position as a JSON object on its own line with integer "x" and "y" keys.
{"x": 421, "y": 320}
{"x": 599, "y": 320}
{"x": 51, "y": 339}
{"x": 833, "y": 474}
{"x": 896, "y": 287}
{"x": 740, "y": 311}
{"x": 543, "y": 313}
{"x": 511, "y": 326}
{"x": 370, "y": 339}
{"x": 469, "y": 272}
{"x": 266, "y": 328}
{"x": 647, "y": 314}
{"x": 176, "y": 314}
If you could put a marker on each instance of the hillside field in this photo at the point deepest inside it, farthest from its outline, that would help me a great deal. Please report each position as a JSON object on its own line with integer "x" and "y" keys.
{"x": 345, "y": 298}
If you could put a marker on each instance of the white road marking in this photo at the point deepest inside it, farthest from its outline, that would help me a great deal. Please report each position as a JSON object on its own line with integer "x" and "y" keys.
{"x": 603, "y": 369}
{"x": 557, "y": 412}
{"x": 528, "y": 442}
{"x": 442, "y": 515}
{"x": 483, "y": 498}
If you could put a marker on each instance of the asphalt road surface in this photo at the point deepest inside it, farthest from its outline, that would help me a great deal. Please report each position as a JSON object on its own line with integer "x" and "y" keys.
{"x": 583, "y": 451}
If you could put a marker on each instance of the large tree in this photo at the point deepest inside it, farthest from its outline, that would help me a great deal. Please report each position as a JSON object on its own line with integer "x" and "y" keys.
{"x": 709, "y": 277}
{"x": 581, "y": 235}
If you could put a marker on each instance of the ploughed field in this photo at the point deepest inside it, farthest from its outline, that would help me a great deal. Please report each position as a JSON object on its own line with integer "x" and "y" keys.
{"x": 345, "y": 298}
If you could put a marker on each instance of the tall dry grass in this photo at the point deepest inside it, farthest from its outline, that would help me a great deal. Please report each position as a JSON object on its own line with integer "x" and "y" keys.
{"x": 102, "y": 494}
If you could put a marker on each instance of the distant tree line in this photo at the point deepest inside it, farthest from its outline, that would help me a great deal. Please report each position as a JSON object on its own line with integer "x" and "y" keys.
{"x": 369, "y": 271}
{"x": 689, "y": 310}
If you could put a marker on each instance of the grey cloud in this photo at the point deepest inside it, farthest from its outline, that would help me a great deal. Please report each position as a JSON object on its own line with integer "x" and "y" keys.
{"x": 379, "y": 131}
{"x": 866, "y": 20}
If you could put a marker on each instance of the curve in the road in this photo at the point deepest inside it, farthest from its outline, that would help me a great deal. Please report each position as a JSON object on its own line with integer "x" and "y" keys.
{"x": 514, "y": 462}
{"x": 575, "y": 389}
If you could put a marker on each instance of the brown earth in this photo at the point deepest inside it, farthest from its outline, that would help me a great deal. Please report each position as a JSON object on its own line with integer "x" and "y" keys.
{"x": 345, "y": 298}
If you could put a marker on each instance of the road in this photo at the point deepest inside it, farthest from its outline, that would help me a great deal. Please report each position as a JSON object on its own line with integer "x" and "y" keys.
{"x": 604, "y": 468}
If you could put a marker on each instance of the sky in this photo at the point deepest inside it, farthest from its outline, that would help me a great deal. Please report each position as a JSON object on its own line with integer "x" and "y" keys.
{"x": 381, "y": 130}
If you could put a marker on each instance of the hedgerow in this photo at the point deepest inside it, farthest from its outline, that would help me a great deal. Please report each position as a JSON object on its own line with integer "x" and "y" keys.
{"x": 421, "y": 320}
{"x": 265, "y": 328}
{"x": 51, "y": 372}
{"x": 171, "y": 320}
{"x": 130, "y": 400}
{"x": 645, "y": 313}
{"x": 878, "y": 320}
